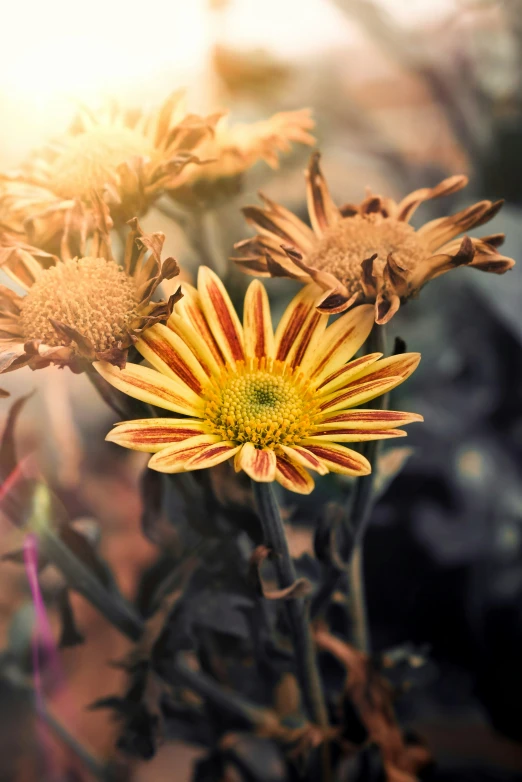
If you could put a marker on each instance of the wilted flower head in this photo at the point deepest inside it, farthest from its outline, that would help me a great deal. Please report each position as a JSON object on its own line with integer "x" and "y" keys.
{"x": 78, "y": 309}
{"x": 130, "y": 157}
{"x": 368, "y": 252}
{"x": 233, "y": 149}
{"x": 278, "y": 403}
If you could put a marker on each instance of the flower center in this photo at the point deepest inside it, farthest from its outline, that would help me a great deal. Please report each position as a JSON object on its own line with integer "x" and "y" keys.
{"x": 262, "y": 402}
{"x": 345, "y": 245}
{"x": 91, "y": 159}
{"x": 92, "y": 295}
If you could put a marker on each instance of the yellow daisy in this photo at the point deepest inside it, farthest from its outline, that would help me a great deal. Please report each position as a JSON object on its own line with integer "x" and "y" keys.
{"x": 233, "y": 149}
{"x": 78, "y": 309}
{"x": 131, "y": 157}
{"x": 278, "y": 403}
{"x": 368, "y": 252}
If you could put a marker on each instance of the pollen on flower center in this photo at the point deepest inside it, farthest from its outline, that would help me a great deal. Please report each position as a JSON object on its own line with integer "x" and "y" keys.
{"x": 92, "y": 295}
{"x": 91, "y": 159}
{"x": 259, "y": 403}
{"x": 345, "y": 245}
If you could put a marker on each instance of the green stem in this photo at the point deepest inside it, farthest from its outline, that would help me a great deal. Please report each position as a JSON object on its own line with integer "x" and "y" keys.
{"x": 297, "y": 615}
{"x": 81, "y": 579}
{"x": 359, "y": 516}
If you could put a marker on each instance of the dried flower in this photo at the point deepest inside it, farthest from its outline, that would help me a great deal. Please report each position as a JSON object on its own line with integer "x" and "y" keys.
{"x": 368, "y": 252}
{"x": 78, "y": 309}
{"x": 276, "y": 402}
{"x": 131, "y": 157}
{"x": 236, "y": 148}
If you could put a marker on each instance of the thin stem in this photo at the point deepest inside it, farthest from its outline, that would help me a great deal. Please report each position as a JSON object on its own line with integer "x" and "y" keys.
{"x": 96, "y": 767}
{"x": 359, "y": 515}
{"x": 202, "y": 236}
{"x": 297, "y": 614}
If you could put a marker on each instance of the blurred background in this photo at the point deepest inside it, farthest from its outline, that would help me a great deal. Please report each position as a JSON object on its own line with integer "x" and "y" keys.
{"x": 404, "y": 93}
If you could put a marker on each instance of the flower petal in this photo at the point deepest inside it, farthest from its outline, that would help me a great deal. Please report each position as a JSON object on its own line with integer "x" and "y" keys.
{"x": 280, "y": 224}
{"x": 441, "y": 230}
{"x": 338, "y": 458}
{"x": 346, "y": 374}
{"x": 264, "y": 255}
{"x": 321, "y": 208}
{"x": 257, "y": 322}
{"x": 297, "y": 326}
{"x": 386, "y": 305}
{"x": 374, "y": 381}
{"x": 302, "y": 235}
{"x": 212, "y": 455}
{"x": 369, "y": 419}
{"x": 153, "y": 434}
{"x": 358, "y": 393}
{"x": 258, "y": 463}
{"x": 292, "y": 476}
{"x": 401, "y": 365}
{"x": 335, "y": 300}
{"x": 181, "y": 326}
{"x": 220, "y": 314}
{"x": 174, "y": 458}
{"x": 190, "y": 309}
{"x": 150, "y": 386}
{"x": 347, "y": 435}
{"x": 169, "y": 354}
{"x": 305, "y": 458}
{"x": 409, "y": 203}
{"x": 341, "y": 340}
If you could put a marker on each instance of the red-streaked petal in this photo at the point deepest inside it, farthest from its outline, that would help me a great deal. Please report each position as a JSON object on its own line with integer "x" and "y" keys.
{"x": 369, "y": 419}
{"x": 305, "y": 458}
{"x": 169, "y": 354}
{"x": 402, "y": 365}
{"x": 174, "y": 458}
{"x": 292, "y": 476}
{"x": 212, "y": 455}
{"x": 321, "y": 208}
{"x": 191, "y": 310}
{"x": 205, "y": 356}
{"x": 257, "y": 322}
{"x": 358, "y": 393}
{"x": 307, "y": 342}
{"x": 153, "y": 434}
{"x": 295, "y": 319}
{"x": 152, "y": 387}
{"x": 341, "y": 340}
{"x": 338, "y": 458}
{"x": 342, "y": 434}
{"x": 220, "y": 314}
{"x": 346, "y": 374}
{"x": 258, "y": 463}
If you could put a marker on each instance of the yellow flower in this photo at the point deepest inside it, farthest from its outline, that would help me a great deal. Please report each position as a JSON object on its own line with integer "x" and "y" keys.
{"x": 278, "y": 403}
{"x": 131, "y": 157}
{"x": 78, "y": 309}
{"x": 368, "y": 252}
{"x": 233, "y": 149}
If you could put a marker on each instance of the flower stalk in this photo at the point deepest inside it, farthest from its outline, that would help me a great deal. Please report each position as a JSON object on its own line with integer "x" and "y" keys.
{"x": 358, "y": 518}
{"x": 304, "y": 649}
